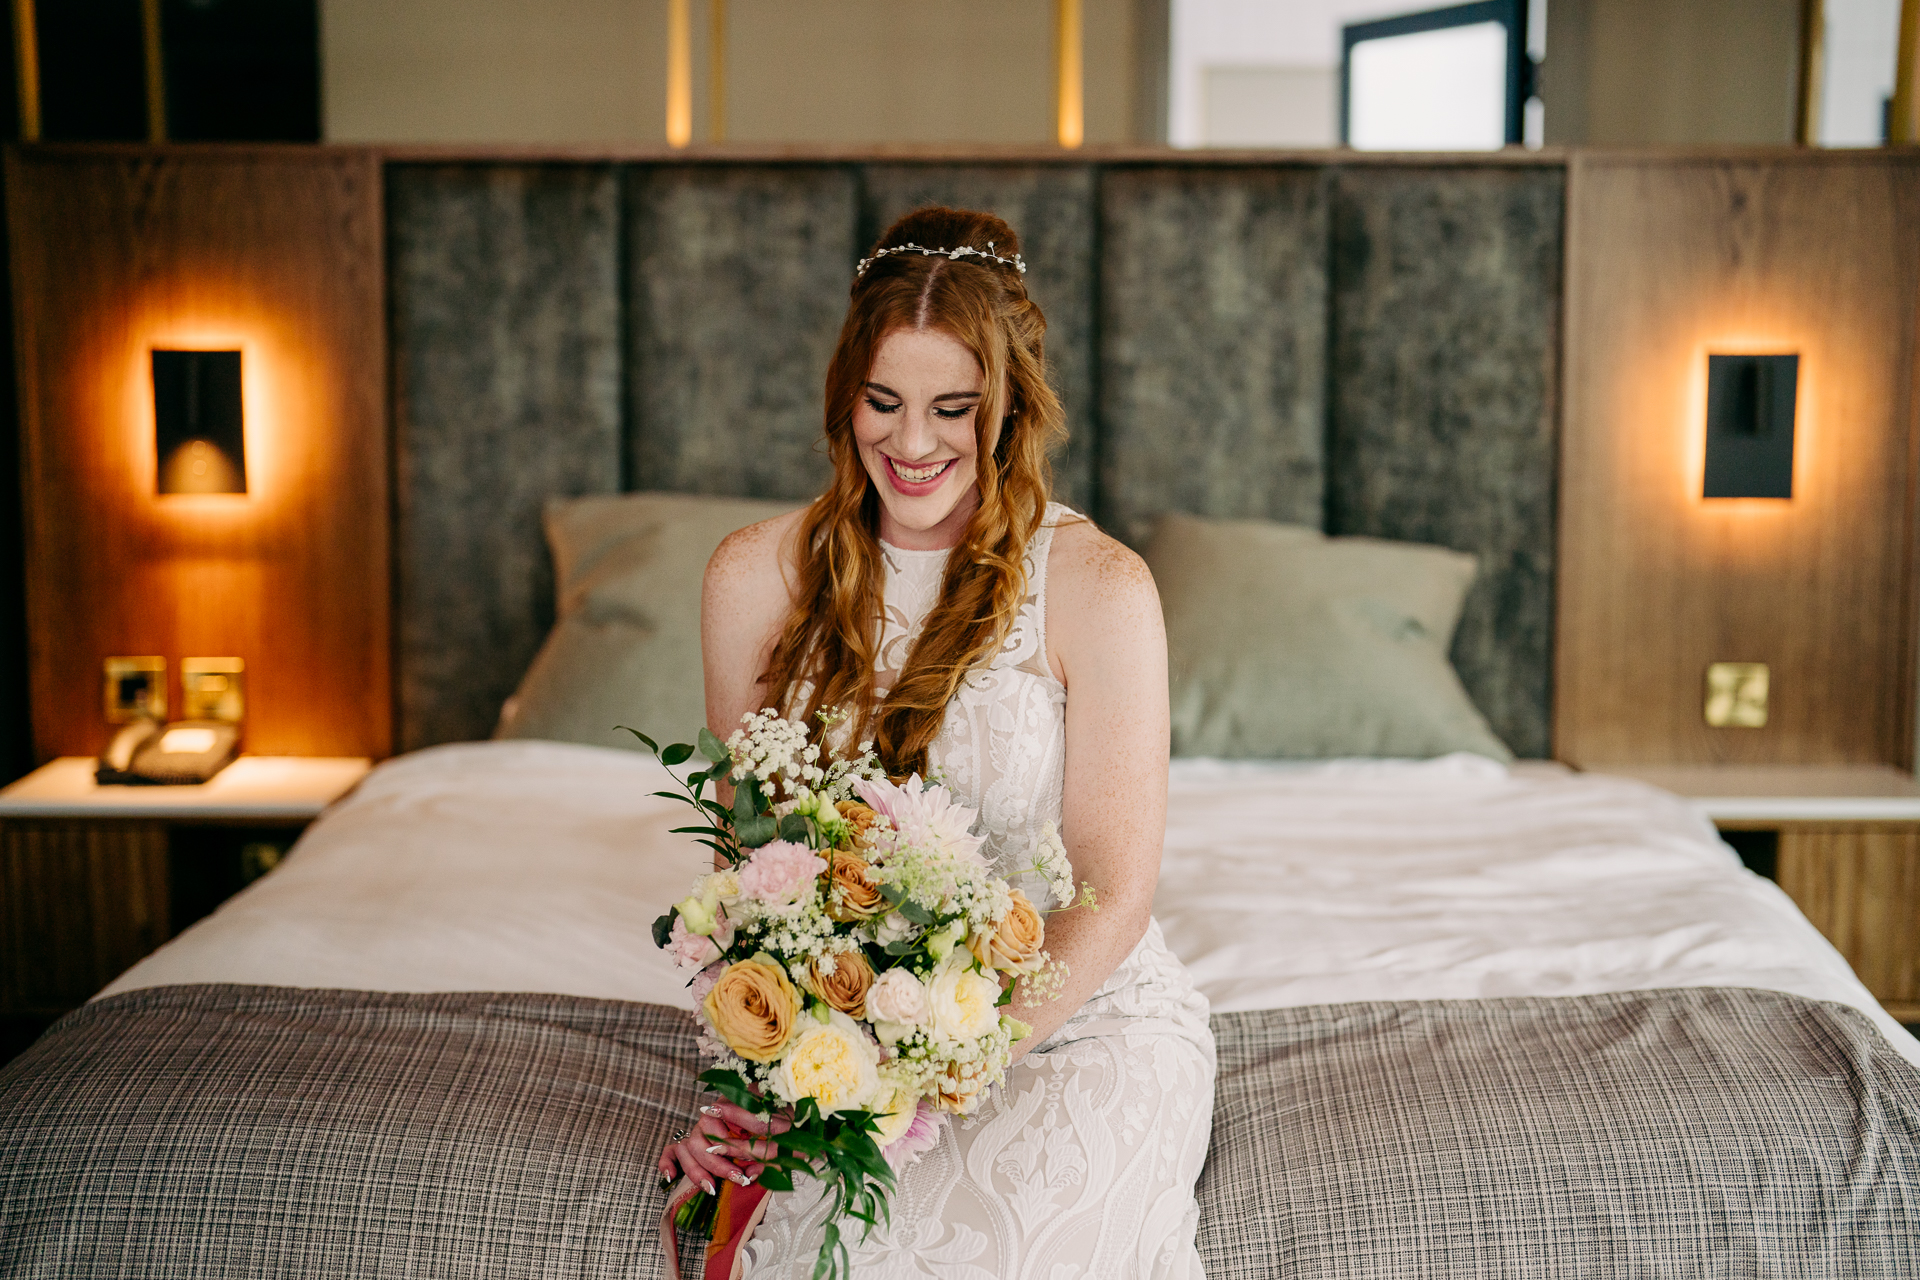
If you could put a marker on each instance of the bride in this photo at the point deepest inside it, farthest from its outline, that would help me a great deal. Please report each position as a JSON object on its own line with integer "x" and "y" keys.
{"x": 992, "y": 637}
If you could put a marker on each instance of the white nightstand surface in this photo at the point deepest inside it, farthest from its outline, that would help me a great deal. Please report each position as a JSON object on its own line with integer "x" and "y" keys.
{"x": 1786, "y": 793}
{"x": 250, "y": 787}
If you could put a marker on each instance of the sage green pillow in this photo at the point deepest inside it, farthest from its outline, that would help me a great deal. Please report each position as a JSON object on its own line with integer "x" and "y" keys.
{"x": 625, "y": 644}
{"x": 1283, "y": 643}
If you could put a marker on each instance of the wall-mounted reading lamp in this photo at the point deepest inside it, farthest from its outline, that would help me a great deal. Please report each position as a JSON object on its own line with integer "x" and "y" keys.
{"x": 197, "y": 422}
{"x": 1750, "y": 407}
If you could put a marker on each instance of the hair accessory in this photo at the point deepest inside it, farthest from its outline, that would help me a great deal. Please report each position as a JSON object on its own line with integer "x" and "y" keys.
{"x": 952, "y": 255}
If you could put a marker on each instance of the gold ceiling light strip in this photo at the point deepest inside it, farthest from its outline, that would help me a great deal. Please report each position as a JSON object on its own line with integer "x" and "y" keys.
{"x": 1904, "y": 127}
{"x": 679, "y": 72}
{"x": 26, "y": 59}
{"x": 717, "y": 70}
{"x": 1070, "y": 113}
{"x": 156, "y": 71}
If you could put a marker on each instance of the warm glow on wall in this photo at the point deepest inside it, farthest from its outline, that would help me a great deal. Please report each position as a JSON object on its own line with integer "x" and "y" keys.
{"x": 1691, "y": 433}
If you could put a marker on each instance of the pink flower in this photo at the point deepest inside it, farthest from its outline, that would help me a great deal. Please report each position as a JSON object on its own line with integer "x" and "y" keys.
{"x": 781, "y": 873}
{"x": 926, "y": 818}
{"x": 922, "y": 1135}
{"x": 691, "y": 950}
{"x": 703, "y": 982}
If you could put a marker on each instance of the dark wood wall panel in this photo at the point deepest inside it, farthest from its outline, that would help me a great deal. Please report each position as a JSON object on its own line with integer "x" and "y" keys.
{"x": 1213, "y": 306}
{"x": 507, "y": 357}
{"x": 737, "y": 281}
{"x": 1052, "y": 207}
{"x": 275, "y": 251}
{"x": 1441, "y": 378}
{"x": 1671, "y": 258}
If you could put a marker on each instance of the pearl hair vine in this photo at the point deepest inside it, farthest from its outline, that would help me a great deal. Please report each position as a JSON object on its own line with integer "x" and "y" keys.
{"x": 952, "y": 255}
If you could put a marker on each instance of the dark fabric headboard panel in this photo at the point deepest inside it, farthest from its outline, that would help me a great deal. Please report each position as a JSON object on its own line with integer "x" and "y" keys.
{"x": 1368, "y": 348}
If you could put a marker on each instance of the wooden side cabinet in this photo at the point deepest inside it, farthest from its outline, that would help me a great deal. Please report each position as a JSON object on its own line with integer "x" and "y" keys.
{"x": 1842, "y": 841}
{"x": 1860, "y": 885}
{"x": 94, "y": 878}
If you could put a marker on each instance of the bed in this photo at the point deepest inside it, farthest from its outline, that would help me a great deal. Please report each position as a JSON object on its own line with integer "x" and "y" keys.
{"x": 1473, "y": 1018}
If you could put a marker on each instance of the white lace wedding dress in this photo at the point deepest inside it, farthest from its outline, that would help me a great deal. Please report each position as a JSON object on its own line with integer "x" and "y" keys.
{"x": 1082, "y": 1165}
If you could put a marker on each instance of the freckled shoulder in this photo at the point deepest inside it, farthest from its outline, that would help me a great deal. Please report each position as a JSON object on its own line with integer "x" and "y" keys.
{"x": 756, "y": 561}
{"x": 1099, "y": 572}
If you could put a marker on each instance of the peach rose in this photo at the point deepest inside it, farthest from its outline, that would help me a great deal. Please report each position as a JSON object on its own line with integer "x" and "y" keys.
{"x": 852, "y": 895}
{"x": 960, "y": 1085}
{"x": 859, "y": 819}
{"x": 845, "y": 988}
{"x": 753, "y": 1009}
{"x": 1013, "y": 946}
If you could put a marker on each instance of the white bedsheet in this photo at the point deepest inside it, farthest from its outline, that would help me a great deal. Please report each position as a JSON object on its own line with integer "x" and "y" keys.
{"x": 533, "y": 866}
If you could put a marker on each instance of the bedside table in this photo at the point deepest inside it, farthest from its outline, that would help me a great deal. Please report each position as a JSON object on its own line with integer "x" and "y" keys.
{"x": 1843, "y": 841}
{"x": 97, "y": 877}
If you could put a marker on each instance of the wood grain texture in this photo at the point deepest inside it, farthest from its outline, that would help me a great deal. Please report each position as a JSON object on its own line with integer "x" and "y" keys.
{"x": 276, "y": 251}
{"x": 736, "y": 287}
{"x": 1860, "y": 885}
{"x": 83, "y": 901}
{"x": 1213, "y": 314}
{"x": 507, "y": 392}
{"x": 1053, "y": 210}
{"x": 1442, "y": 371}
{"x": 1669, "y": 259}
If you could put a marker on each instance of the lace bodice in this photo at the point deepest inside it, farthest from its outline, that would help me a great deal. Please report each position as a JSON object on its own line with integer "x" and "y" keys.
{"x": 1003, "y": 747}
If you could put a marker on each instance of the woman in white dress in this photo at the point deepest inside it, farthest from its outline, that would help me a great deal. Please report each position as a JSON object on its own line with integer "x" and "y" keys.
{"x": 981, "y": 632}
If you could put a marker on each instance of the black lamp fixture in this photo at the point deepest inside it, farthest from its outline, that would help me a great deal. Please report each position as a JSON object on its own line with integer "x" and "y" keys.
{"x": 197, "y": 422}
{"x": 1750, "y": 413}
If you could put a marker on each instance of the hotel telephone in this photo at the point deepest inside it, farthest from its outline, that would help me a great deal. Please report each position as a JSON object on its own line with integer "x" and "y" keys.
{"x": 185, "y": 752}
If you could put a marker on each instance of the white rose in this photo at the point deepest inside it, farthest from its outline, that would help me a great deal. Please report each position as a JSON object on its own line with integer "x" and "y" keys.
{"x": 831, "y": 1062}
{"x": 897, "y": 996}
{"x": 896, "y": 1108}
{"x": 963, "y": 1004}
{"x": 891, "y": 927}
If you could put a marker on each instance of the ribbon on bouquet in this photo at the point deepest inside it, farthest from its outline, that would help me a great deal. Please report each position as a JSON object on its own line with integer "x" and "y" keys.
{"x": 734, "y": 1218}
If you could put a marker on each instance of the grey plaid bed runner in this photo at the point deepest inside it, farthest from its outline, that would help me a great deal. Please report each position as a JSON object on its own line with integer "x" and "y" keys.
{"x": 217, "y": 1131}
{"x": 1699, "y": 1132}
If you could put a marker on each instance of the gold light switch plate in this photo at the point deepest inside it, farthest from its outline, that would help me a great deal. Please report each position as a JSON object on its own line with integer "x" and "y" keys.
{"x": 135, "y": 689}
{"x": 211, "y": 689}
{"x": 1737, "y": 695}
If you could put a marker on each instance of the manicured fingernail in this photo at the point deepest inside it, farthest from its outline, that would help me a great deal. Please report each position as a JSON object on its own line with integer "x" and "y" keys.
{"x": 709, "y": 1111}
{"x": 740, "y": 1178}
{"x": 707, "y": 1187}
{"x": 715, "y": 1150}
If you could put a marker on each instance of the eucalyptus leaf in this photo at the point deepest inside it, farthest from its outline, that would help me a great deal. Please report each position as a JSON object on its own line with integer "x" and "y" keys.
{"x": 914, "y": 911}
{"x": 796, "y": 828}
{"x": 755, "y": 832}
{"x": 663, "y": 928}
{"x": 902, "y": 947}
{"x": 711, "y": 747}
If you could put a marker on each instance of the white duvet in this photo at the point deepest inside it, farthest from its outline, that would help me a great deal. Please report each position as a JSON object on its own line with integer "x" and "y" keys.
{"x": 533, "y": 866}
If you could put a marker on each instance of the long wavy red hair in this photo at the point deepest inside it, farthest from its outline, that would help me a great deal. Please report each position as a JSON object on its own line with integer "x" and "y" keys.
{"x": 830, "y": 638}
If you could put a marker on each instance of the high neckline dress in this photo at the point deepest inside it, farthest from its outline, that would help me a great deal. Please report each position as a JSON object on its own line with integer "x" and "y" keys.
{"x": 1083, "y": 1163}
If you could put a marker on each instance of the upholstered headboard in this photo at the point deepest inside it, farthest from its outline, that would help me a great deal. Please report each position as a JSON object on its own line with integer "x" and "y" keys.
{"x": 1369, "y": 347}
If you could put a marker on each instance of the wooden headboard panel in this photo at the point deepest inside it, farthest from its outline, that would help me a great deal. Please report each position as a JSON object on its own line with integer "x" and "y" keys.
{"x": 1369, "y": 347}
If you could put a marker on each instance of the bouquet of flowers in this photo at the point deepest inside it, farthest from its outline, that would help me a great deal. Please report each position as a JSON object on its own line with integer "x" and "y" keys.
{"x": 852, "y": 959}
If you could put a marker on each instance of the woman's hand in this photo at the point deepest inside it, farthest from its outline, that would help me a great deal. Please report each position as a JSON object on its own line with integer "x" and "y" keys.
{"x": 726, "y": 1142}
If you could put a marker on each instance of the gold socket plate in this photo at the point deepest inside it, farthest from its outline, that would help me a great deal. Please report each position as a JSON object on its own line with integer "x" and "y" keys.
{"x": 134, "y": 689}
{"x": 1737, "y": 695}
{"x": 212, "y": 689}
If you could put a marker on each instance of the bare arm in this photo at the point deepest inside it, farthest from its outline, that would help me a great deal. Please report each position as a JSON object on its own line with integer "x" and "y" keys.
{"x": 1109, "y": 646}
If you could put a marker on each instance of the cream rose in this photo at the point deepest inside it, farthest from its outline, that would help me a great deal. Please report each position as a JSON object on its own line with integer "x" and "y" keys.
{"x": 894, "y": 1110}
{"x": 962, "y": 1003}
{"x": 898, "y": 996}
{"x": 831, "y": 1062}
{"x": 845, "y": 988}
{"x": 752, "y": 1009}
{"x": 1014, "y": 945}
{"x": 851, "y": 893}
